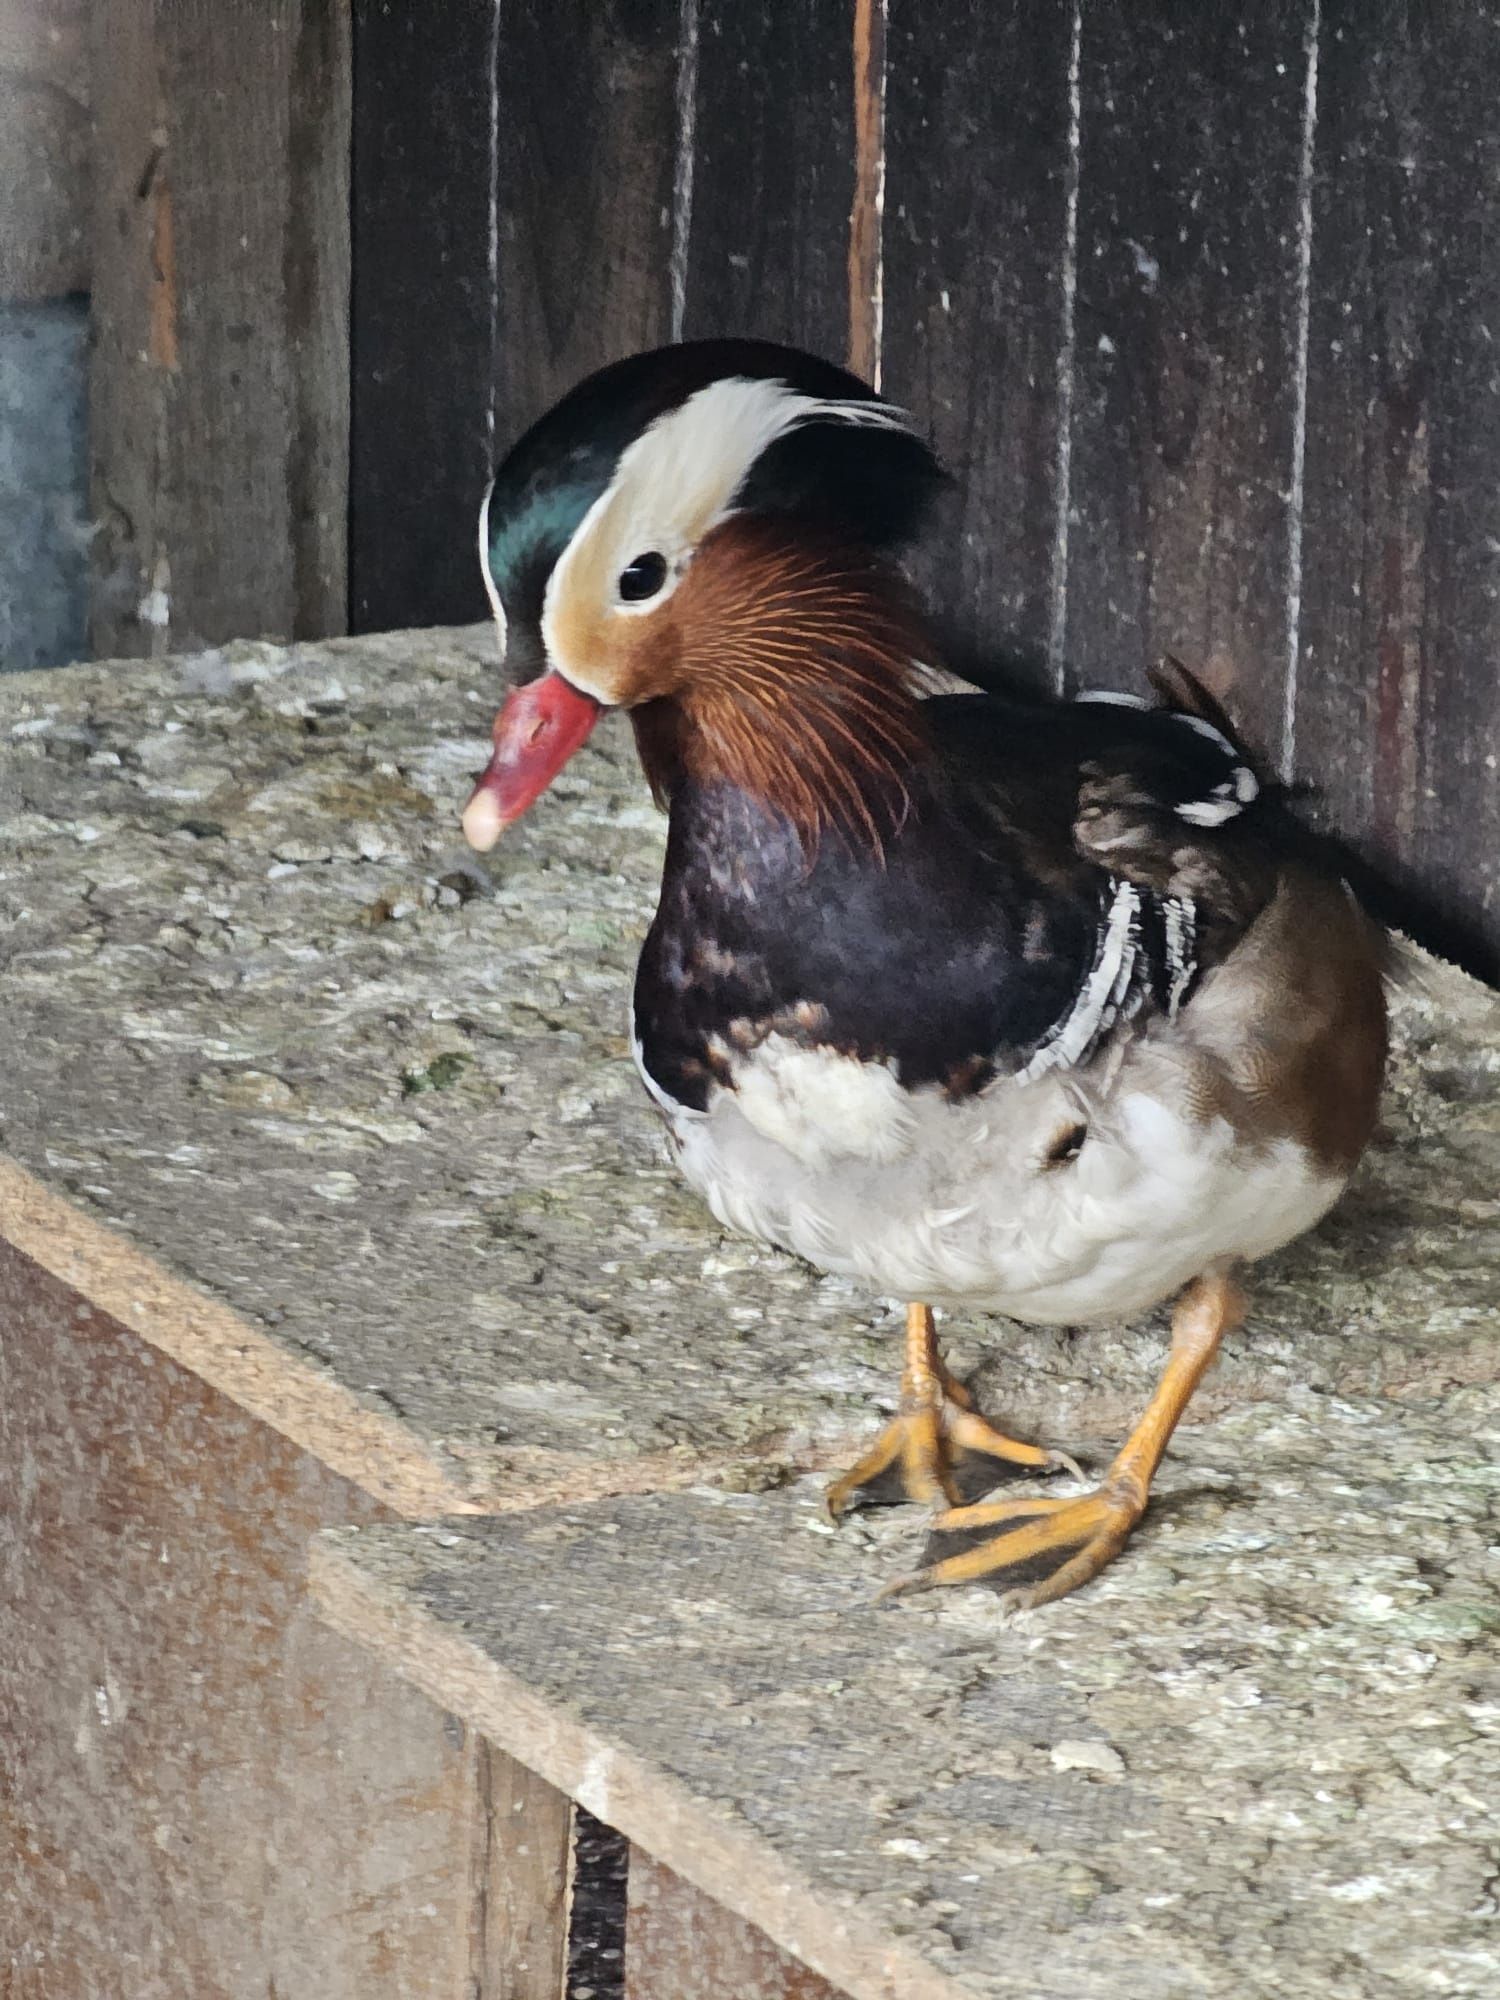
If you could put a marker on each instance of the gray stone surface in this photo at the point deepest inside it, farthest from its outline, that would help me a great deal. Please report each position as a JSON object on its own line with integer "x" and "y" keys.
{"x": 269, "y": 1020}
{"x": 1261, "y": 1756}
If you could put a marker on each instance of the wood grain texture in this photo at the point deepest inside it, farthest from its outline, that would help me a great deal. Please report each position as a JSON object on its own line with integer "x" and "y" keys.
{"x": 773, "y": 174}
{"x": 976, "y": 129}
{"x": 508, "y": 240}
{"x": 222, "y": 1349}
{"x": 315, "y": 276}
{"x": 423, "y": 335}
{"x": 867, "y": 216}
{"x": 712, "y": 1675}
{"x": 202, "y": 1791}
{"x": 1186, "y": 342}
{"x": 46, "y": 149}
{"x": 737, "y": 1869}
{"x": 127, "y": 370}
{"x": 585, "y": 133}
{"x": 1398, "y": 699}
{"x": 219, "y": 436}
{"x": 522, "y": 1866}
{"x": 680, "y": 1945}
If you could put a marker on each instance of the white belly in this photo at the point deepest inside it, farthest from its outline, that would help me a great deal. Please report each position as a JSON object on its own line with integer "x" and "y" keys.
{"x": 921, "y": 1198}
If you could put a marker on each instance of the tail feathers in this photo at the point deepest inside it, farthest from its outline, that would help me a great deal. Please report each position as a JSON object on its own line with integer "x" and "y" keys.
{"x": 1181, "y": 690}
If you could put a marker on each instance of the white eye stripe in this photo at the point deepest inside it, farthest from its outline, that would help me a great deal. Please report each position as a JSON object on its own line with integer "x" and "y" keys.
{"x": 675, "y": 483}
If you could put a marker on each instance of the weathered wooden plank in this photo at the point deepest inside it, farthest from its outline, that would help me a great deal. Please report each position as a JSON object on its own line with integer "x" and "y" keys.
{"x": 133, "y": 283}
{"x": 46, "y": 149}
{"x": 976, "y": 302}
{"x": 586, "y": 133}
{"x": 867, "y": 215}
{"x": 938, "y": 1807}
{"x": 1184, "y": 406}
{"x": 522, "y": 1841}
{"x": 490, "y": 1305}
{"x": 316, "y": 276}
{"x": 764, "y": 218}
{"x": 508, "y": 241}
{"x": 1397, "y": 709}
{"x": 220, "y": 294}
{"x": 681, "y": 1945}
{"x": 423, "y": 333}
{"x": 202, "y": 1791}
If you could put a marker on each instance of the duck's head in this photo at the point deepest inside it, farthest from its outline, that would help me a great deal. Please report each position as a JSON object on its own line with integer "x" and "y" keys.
{"x": 702, "y": 535}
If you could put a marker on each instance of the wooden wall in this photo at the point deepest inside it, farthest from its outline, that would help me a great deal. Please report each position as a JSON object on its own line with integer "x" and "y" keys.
{"x": 219, "y": 401}
{"x": 44, "y": 149}
{"x": 1200, "y": 305}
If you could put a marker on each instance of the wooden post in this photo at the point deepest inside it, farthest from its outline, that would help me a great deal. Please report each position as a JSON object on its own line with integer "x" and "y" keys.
{"x": 1186, "y": 335}
{"x": 219, "y": 393}
{"x": 977, "y": 175}
{"x": 1396, "y": 713}
{"x": 522, "y": 1879}
{"x": 45, "y": 150}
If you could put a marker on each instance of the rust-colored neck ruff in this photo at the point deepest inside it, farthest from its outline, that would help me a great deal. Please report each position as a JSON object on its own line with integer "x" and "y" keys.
{"x": 785, "y": 668}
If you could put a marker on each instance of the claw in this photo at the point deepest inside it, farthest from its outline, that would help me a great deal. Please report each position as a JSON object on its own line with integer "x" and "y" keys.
{"x": 935, "y": 1423}
{"x": 1076, "y": 1537}
{"x": 1086, "y": 1533}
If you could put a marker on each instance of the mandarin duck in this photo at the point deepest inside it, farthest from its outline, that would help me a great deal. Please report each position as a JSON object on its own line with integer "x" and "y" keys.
{"x": 1050, "y": 1008}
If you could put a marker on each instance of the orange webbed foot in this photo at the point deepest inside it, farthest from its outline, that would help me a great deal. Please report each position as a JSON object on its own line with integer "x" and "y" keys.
{"x": 935, "y": 1425}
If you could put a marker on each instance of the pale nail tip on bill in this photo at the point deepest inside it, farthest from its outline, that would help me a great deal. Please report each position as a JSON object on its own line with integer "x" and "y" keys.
{"x": 481, "y": 821}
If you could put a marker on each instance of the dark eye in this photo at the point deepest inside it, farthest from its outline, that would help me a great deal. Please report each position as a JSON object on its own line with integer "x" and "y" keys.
{"x": 643, "y": 578}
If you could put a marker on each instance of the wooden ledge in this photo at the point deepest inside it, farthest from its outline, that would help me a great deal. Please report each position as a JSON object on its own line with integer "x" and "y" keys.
{"x": 345, "y": 1120}
{"x": 1256, "y": 1757}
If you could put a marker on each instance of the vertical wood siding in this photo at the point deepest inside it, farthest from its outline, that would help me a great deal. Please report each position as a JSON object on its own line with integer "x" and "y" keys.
{"x": 424, "y": 298}
{"x": 1397, "y": 701}
{"x": 585, "y": 128}
{"x": 1199, "y": 307}
{"x": 220, "y": 380}
{"x": 1183, "y": 416}
{"x": 978, "y": 298}
{"x": 773, "y": 173}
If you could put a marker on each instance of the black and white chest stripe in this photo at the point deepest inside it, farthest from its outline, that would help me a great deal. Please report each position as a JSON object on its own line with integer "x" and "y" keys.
{"x": 1145, "y": 952}
{"x": 1137, "y": 948}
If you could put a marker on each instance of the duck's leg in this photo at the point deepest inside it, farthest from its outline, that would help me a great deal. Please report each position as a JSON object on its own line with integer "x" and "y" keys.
{"x": 936, "y": 1415}
{"x": 1083, "y": 1535}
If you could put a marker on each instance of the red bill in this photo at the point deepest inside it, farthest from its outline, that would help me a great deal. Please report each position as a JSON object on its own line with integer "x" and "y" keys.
{"x": 537, "y": 731}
